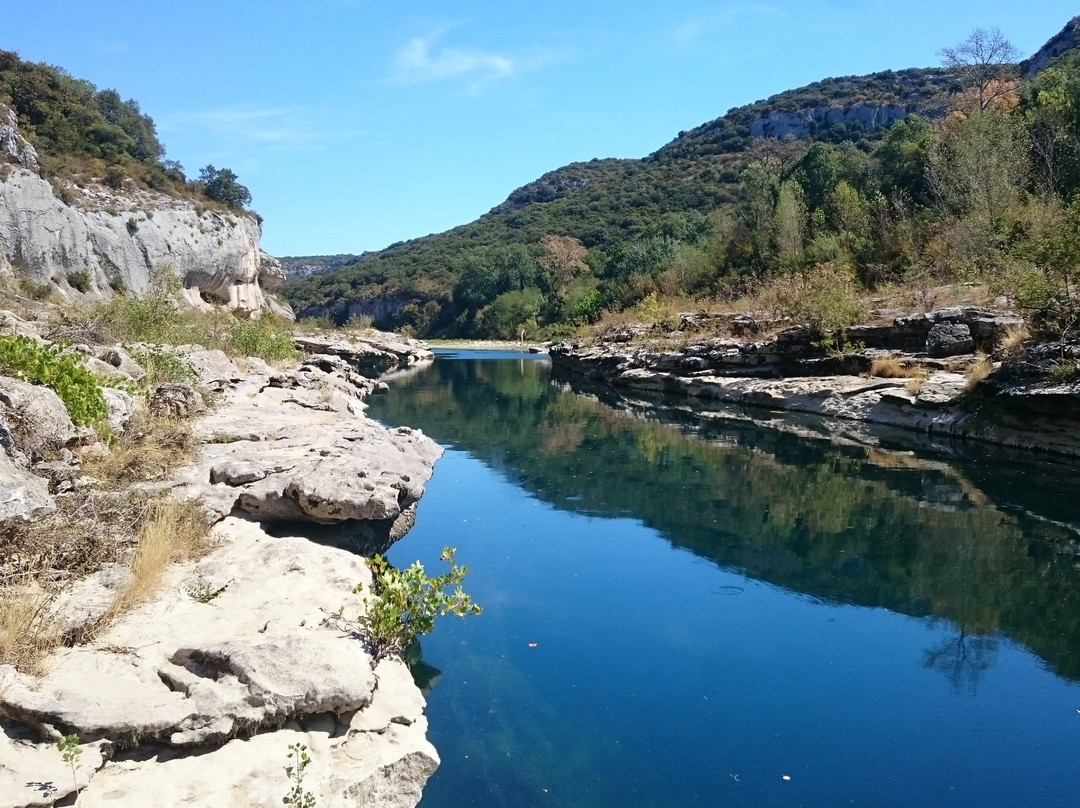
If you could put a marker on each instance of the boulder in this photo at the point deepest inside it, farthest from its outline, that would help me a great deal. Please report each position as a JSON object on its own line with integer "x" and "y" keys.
{"x": 949, "y": 339}
{"x": 22, "y": 495}
{"x": 176, "y": 400}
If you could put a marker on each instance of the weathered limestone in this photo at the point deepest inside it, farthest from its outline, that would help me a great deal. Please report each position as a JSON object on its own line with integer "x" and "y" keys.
{"x": 194, "y": 696}
{"x": 790, "y": 373}
{"x": 295, "y": 446}
{"x": 214, "y": 253}
{"x": 376, "y": 353}
{"x": 235, "y": 645}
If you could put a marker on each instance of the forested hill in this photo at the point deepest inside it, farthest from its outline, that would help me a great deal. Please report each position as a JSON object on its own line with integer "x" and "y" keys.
{"x": 825, "y": 174}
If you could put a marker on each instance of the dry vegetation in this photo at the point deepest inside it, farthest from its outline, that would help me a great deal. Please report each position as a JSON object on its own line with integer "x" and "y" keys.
{"x": 894, "y": 368}
{"x": 150, "y": 448}
{"x": 977, "y": 371}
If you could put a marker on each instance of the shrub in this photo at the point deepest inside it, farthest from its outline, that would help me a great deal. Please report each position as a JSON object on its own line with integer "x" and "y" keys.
{"x": 405, "y": 603}
{"x": 162, "y": 365}
{"x": 34, "y": 290}
{"x": 79, "y": 280}
{"x": 40, "y": 363}
{"x": 264, "y": 337}
{"x": 824, "y": 299}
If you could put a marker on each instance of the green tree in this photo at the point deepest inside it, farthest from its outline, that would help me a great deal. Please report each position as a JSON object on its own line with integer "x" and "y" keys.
{"x": 1052, "y": 113}
{"x": 903, "y": 160}
{"x": 220, "y": 184}
{"x": 789, "y": 223}
{"x": 979, "y": 166}
{"x": 817, "y": 173}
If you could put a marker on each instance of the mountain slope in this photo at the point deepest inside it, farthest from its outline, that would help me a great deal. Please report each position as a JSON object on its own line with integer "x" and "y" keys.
{"x": 684, "y": 208}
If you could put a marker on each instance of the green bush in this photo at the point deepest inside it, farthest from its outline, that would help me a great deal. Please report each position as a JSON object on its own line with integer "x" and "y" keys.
{"x": 34, "y": 290}
{"x": 39, "y": 363}
{"x": 265, "y": 338}
{"x": 79, "y": 280}
{"x": 406, "y": 602}
{"x": 162, "y": 365}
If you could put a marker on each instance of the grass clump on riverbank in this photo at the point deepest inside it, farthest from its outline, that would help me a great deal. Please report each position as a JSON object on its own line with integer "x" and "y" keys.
{"x": 159, "y": 318}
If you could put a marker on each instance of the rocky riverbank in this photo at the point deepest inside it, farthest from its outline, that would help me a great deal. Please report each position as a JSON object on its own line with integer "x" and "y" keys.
{"x": 195, "y": 695}
{"x": 961, "y": 373}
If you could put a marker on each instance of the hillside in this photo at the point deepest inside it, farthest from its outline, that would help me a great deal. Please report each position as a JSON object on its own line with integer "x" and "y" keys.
{"x": 923, "y": 176}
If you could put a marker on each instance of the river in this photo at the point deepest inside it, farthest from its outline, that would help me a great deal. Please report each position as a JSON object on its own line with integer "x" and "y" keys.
{"x": 695, "y": 607}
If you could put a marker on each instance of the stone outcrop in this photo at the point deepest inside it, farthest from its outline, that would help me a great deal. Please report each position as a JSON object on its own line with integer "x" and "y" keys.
{"x": 194, "y": 696}
{"x": 1064, "y": 40}
{"x": 102, "y": 239}
{"x": 803, "y": 123}
{"x": 215, "y": 689}
{"x": 790, "y": 373}
{"x": 374, "y": 354}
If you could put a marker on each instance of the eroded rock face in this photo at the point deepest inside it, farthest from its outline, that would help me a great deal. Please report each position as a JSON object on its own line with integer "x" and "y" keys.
{"x": 294, "y": 445}
{"x": 196, "y": 694}
{"x": 215, "y": 253}
{"x": 375, "y": 354}
{"x": 789, "y": 373}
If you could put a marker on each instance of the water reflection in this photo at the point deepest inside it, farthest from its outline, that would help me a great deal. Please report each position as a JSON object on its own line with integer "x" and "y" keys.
{"x": 925, "y": 530}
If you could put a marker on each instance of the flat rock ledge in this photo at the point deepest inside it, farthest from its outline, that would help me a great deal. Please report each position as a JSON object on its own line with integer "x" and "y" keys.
{"x": 788, "y": 373}
{"x": 194, "y": 697}
{"x": 196, "y": 703}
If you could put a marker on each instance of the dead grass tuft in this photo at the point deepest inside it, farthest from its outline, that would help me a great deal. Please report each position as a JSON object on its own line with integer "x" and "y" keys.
{"x": 1013, "y": 338}
{"x": 977, "y": 371}
{"x": 170, "y": 532}
{"x": 149, "y": 448}
{"x": 28, "y": 625}
{"x": 915, "y": 385}
{"x": 893, "y": 368}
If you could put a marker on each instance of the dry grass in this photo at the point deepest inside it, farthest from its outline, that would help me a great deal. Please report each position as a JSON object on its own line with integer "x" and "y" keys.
{"x": 1013, "y": 338}
{"x": 977, "y": 371}
{"x": 915, "y": 385}
{"x": 171, "y": 531}
{"x": 893, "y": 368}
{"x": 149, "y": 448}
{"x": 40, "y": 560}
{"x": 28, "y": 625}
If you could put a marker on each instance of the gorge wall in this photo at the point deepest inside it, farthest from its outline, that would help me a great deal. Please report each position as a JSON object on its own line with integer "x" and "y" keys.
{"x": 91, "y": 241}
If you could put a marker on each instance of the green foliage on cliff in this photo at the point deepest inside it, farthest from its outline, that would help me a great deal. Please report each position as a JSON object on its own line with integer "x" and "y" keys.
{"x": 79, "y": 130}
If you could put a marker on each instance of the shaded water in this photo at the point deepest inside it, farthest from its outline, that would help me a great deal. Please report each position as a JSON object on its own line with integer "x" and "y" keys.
{"x": 690, "y": 609}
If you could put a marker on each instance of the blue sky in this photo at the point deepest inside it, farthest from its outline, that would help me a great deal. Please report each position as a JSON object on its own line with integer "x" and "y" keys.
{"x": 358, "y": 123}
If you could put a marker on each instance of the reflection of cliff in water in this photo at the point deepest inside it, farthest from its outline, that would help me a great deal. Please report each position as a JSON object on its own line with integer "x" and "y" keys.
{"x": 986, "y": 545}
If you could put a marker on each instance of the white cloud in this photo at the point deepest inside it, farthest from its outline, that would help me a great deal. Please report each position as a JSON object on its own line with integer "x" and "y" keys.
{"x": 423, "y": 60}
{"x": 695, "y": 29}
{"x": 280, "y": 127}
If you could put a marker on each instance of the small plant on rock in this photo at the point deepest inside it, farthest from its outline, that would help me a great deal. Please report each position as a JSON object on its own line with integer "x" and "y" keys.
{"x": 70, "y": 750}
{"x": 403, "y": 604}
{"x": 79, "y": 280}
{"x": 298, "y": 761}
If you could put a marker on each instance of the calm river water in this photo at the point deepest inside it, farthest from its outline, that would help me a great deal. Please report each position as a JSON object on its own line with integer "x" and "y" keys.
{"x": 693, "y": 609}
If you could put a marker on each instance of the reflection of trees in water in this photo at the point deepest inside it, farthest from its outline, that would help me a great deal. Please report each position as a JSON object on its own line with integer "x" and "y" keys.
{"x": 962, "y": 659}
{"x": 835, "y": 520}
{"x": 424, "y": 675}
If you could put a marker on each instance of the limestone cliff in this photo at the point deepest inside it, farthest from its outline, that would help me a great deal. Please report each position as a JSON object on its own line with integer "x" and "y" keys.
{"x": 788, "y": 123}
{"x": 54, "y": 232}
{"x": 1063, "y": 41}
